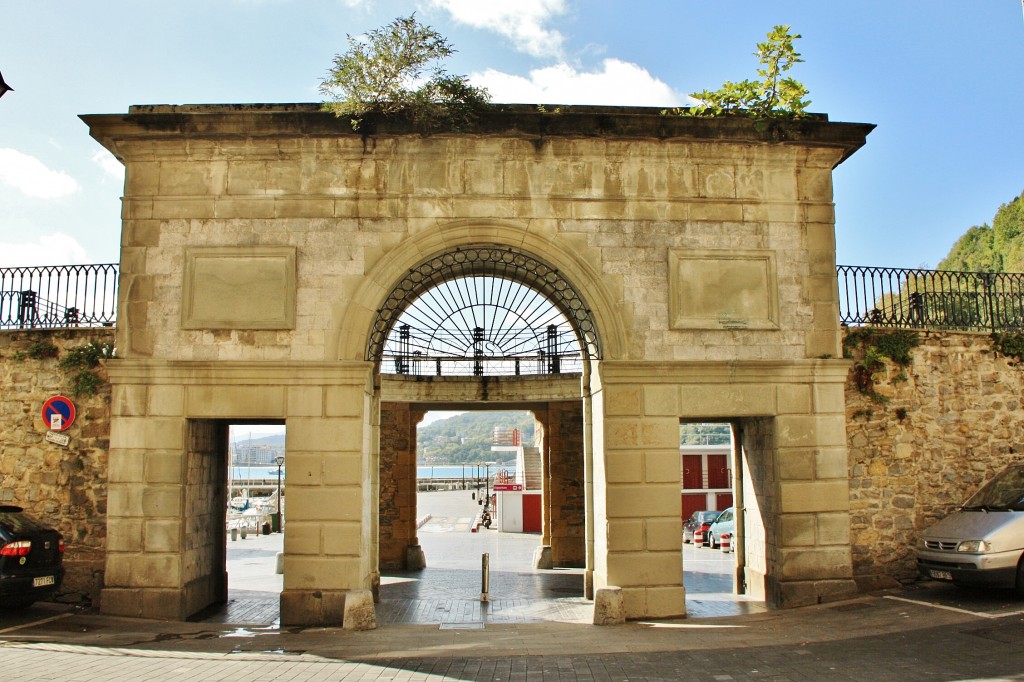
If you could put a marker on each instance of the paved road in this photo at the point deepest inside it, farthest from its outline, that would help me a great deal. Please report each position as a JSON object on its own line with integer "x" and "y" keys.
{"x": 928, "y": 631}
{"x": 873, "y": 638}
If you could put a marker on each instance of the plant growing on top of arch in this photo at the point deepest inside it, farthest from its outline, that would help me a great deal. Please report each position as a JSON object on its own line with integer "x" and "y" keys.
{"x": 396, "y": 71}
{"x": 773, "y": 96}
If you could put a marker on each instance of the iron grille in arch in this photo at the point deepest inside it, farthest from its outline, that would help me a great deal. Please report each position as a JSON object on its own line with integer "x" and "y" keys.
{"x": 483, "y": 311}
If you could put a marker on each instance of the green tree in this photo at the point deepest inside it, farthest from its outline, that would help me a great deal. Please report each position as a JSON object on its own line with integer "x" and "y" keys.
{"x": 773, "y": 96}
{"x": 396, "y": 71}
{"x": 999, "y": 248}
{"x": 705, "y": 434}
{"x": 1008, "y": 234}
{"x": 973, "y": 252}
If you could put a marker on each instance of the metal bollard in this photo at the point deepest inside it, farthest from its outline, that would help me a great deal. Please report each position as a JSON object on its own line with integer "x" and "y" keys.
{"x": 486, "y": 576}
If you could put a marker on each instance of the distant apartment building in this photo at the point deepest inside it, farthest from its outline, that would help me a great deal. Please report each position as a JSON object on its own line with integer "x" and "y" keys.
{"x": 255, "y": 455}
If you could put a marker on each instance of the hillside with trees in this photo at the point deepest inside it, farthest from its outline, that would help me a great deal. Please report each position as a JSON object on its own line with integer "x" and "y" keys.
{"x": 705, "y": 434}
{"x": 992, "y": 248}
{"x": 466, "y": 438}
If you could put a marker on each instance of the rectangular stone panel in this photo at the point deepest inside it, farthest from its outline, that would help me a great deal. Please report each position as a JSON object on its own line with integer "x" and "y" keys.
{"x": 719, "y": 289}
{"x": 239, "y": 288}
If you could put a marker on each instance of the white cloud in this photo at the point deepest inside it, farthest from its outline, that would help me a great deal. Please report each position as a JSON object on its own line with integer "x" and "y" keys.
{"x": 617, "y": 83}
{"x": 52, "y": 249}
{"x": 523, "y": 21}
{"x": 30, "y": 176}
{"x": 109, "y": 163}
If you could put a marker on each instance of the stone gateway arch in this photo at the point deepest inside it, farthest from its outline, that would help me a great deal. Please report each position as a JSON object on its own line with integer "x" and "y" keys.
{"x": 263, "y": 247}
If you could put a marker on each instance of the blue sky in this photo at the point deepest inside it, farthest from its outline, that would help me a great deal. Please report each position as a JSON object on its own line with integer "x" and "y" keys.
{"x": 942, "y": 80}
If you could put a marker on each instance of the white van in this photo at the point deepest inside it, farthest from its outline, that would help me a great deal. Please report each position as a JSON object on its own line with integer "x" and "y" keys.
{"x": 982, "y": 543}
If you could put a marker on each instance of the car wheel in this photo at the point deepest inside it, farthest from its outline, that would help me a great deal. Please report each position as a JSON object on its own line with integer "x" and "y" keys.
{"x": 711, "y": 541}
{"x": 1019, "y": 587}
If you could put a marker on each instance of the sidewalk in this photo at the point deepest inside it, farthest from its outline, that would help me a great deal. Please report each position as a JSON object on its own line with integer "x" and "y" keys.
{"x": 873, "y": 638}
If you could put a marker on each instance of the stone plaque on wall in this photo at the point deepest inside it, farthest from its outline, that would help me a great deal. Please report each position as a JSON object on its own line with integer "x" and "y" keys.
{"x": 718, "y": 289}
{"x": 239, "y": 288}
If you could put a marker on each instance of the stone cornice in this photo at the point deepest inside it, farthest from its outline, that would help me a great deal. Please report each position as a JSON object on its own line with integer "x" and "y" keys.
{"x": 524, "y": 121}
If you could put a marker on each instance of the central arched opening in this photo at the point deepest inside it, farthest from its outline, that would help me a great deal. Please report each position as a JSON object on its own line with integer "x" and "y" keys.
{"x": 483, "y": 311}
{"x": 479, "y": 330}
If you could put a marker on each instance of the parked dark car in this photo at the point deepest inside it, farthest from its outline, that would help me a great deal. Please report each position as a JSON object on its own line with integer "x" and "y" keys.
{"x": 31, "y": 559}
{"x": 697, "y": 525}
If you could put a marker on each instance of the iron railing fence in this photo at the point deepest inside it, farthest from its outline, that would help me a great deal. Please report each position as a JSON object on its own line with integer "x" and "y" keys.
{"x": 56, "y": 296}
{"x": 63, "y": 296}
{"x": 931, "y": 299}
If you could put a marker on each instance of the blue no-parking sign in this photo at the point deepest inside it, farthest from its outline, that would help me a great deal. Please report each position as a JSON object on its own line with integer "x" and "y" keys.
{"x": 58, "y": 413}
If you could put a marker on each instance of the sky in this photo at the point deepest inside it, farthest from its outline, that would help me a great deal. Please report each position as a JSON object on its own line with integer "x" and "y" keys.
{"x": 242, "y": 432}
{"x": 942, "y": 80}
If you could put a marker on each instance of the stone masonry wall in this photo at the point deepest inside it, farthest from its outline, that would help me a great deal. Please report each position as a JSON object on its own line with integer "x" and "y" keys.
{"x": 397, "y": 483}
{"x": 567, "y": 504}
{"x": 205, "y": 503}
{"x": 937, "y": 431}
{"x": 63, "y": 487}
{"x": 614, "y": 203}
{"x": 949, "y": 421}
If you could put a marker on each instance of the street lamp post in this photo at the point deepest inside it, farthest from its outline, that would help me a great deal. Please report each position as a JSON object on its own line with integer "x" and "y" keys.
{"x": 277, "y": 513}
{"x": 487, "y": 490}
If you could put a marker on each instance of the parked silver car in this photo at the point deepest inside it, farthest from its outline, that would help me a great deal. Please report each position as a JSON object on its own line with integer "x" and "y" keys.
{"x": 982, "y": 543}
{"x": 722, "y": 529}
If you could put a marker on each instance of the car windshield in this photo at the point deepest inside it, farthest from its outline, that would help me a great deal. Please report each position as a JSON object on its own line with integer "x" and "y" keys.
{"x": 1005, "y": 492}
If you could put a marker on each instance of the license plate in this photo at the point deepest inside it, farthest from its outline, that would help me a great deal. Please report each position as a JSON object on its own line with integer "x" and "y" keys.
{"x": 941, "y": 575}
{"x": 42, "y": 581}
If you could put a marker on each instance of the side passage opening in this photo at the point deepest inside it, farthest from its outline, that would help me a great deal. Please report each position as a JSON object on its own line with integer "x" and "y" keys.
{"x": 716, "y": 541}
{"x": 250, "y": 492}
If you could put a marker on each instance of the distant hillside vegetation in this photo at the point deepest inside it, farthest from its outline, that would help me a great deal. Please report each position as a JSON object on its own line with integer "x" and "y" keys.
{"x": 466, "y": 438}
{"x": 995, "y": 248}
{"x": 705, "y": 434}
